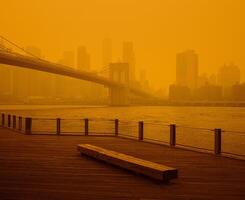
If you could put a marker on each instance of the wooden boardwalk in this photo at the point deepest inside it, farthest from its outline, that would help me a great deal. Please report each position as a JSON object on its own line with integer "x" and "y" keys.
{"x": 50, "y": 167}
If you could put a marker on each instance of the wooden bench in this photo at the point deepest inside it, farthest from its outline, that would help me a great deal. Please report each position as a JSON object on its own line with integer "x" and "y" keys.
{"x": 150, "y": 169}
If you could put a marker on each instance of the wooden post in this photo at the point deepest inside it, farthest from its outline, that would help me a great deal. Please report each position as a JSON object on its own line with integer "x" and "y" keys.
{"x": 14, "y": 121}
{"x": 20, "y": 124}
{"x": 9, "y": 121}
{"x": 3, "y": 119}
{"x": 116, "y": 127}
{"x": 141, "y": 130}
{"x": 86, "y": 127}
{"x": 28, "y": 124}
{"x": 217, "y": 141}
{"x": 172, "y": 135}
{"x": 58, "y": 120}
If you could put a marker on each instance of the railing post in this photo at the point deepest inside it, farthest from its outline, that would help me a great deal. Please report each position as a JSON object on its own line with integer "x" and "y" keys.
{"x": 58, "y": 120}
{"x": 20, "y": 123}
{"x": 14, "y": 121}
{"x": 217, "y": 141}
{"x": 141, "y": 130}
{"x": 172, "y": 135}
{"x": 3, "y": 119}
{"x": 9, "y": 121}
{"x": 28, "y": 124}
{"x": 86, "y": 127}
{"x": 116, "y": 127}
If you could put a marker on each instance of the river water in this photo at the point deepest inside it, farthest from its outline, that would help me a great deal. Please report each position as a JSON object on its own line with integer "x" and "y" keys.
{"x": 157, "y": 118}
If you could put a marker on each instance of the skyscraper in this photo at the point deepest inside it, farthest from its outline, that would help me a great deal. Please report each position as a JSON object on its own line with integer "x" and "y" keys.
{"x": 129, "y": 57}
{"x": 83, "y": 59}
{"x": 187, "y": 69}
{"x": 228, "y": 76}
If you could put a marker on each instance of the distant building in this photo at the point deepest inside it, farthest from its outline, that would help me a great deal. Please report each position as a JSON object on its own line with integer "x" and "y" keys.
{"x": 83, "y": 59}
{"x": 187, "y": 69}
{"x": 129, "y": 57}
{"x": 228, "y": 76}
{"x": 238, "y": 92}
{"x": 179, "y": 93}
{"x": 208, "y": 92}
{"x": 204, "y": 79}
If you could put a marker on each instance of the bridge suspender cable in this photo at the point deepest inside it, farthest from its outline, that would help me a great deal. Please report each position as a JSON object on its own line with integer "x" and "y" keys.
{"x": 18, "y": 47}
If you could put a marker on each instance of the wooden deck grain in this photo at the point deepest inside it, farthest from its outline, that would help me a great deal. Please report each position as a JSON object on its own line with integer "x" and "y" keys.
{"x": 50, "y": 167}
{"x": 144, "y": 167}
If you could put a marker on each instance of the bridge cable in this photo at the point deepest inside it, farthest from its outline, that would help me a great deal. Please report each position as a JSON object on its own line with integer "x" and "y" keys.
{"x": 18, "y": 47}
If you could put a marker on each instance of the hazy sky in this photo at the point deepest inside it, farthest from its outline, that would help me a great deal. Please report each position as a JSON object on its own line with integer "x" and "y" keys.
{"x": 158, "y": 28}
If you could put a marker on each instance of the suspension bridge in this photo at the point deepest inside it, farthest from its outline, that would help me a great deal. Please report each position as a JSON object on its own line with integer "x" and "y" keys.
{"x": 119, "y": 91}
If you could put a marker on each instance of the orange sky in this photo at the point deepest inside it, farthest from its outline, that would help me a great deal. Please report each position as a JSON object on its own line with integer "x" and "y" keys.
{"x": 158, "y": 28}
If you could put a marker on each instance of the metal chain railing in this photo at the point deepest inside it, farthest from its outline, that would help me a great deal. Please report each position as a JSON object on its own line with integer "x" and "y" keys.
{"x": 165, "y": 133}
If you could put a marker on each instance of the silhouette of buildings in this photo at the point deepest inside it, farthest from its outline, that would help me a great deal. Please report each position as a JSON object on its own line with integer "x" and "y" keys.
{"x": 187, "y": 69}
{"x": 179, "y": 93}
{"x": 208, "y": 92}
{"x": 238, "y": 92}
{"x": 83, "y": 59}
{"x": 228, "y": 76}
{"x": 129, "y": 57}
{"x": 186, "y": 76}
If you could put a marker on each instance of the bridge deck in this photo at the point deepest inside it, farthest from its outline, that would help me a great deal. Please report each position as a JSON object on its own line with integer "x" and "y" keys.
{"x": 50, "y": 167}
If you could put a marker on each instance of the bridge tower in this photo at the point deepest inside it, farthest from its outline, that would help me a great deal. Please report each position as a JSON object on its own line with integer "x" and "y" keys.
{"x": 119, "y": 72}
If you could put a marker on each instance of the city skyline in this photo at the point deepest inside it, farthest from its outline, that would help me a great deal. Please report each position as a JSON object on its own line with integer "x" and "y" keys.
{"x": 216, "y": 37}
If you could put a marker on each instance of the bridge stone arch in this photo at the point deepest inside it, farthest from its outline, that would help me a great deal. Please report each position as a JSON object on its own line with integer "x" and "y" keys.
{"x": 119, "y": 72}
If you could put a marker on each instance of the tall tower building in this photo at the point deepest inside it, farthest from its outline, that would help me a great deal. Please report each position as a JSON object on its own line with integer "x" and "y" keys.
{"x": 187, "y": 69}
{"x": 228, "y": 76}
{"x": 83, "y": 59}
{"x": 129, "y": 57}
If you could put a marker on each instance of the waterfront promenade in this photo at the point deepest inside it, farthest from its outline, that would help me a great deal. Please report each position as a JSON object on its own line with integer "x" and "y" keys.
{"x": 50, "y": 167}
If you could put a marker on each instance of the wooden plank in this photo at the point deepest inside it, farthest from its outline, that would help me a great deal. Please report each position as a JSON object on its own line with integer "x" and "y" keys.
{"x": 47, "y": 167}
{"x": 150, "y": 169}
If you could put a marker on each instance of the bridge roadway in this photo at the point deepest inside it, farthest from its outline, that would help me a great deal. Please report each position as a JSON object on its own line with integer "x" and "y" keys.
{"x": 50, "y": 167}
{"x": 19, "y": 60}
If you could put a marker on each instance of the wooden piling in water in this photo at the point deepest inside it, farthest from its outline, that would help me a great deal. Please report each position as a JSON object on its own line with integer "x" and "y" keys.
{"x": 20, "y": 123}
{"x": 58, "y": 122}
{"x": 14, "y": 122}
{"x": 116, "y": 127}
{"x": 141, "y": 130}
{"x": 28, "y": 125}
{"x": 86, "y": 128}
{"x": 3, "y": 119}
{"x": 217, "y": 141}
{"x": 9, "y": 121}
{"x": 172, "y": 135}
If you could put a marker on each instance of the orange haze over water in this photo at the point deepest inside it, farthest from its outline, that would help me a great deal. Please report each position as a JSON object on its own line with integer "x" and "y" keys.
{"x": 159, "y": 29}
